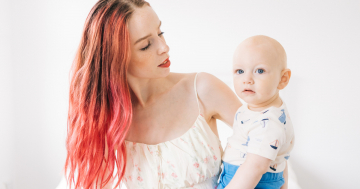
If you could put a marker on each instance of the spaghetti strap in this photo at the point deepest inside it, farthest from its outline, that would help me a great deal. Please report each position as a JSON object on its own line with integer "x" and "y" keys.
{"x": 196, "y": 94}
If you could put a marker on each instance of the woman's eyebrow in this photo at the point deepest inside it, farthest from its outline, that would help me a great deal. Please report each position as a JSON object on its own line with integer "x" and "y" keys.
{"x": 142, "y": 38}
{"x": 145, "y": 36}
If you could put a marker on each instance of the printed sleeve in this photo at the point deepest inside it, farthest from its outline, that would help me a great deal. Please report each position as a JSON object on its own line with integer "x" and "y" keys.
{"x": 266, "y": 138}
{"x": 236, "y": 122}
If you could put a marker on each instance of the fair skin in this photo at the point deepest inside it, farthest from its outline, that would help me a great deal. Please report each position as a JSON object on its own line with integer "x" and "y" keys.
{"x": 260, "y": 71}
{"x": 164, "y": 103}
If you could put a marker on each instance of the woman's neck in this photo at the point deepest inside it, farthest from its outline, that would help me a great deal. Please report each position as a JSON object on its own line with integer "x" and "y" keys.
{"x": 146, "y": 91}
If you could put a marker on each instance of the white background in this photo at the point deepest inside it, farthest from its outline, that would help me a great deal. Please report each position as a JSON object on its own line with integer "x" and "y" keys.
{"x": 38, "y": 40}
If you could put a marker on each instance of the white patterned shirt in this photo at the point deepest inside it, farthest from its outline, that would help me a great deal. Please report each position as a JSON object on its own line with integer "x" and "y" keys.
{"x": 268, "y": 133}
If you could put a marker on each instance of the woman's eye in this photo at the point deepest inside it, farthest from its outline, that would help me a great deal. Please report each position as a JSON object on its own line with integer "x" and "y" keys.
{"x": 143, "y": 49}
{"x": 260, "y": 71}
{"x": 239, "y": 71}
{"x": 161, "y": 33}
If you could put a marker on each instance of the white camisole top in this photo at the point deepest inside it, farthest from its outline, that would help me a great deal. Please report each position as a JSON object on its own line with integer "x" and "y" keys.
{"x": 190, "y": 161}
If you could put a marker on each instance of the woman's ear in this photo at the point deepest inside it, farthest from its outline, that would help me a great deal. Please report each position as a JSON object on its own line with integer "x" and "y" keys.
{"x": 285, "y": 78}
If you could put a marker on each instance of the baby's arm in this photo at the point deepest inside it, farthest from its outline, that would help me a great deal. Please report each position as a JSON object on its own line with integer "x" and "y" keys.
{"x": 285, "y": 175}
{"x": 250, "y": 172}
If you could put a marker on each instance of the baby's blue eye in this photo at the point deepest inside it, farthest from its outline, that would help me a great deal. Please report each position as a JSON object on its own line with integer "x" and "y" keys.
{"x": 260, "y": 71}
{"x": 239, "y": 71}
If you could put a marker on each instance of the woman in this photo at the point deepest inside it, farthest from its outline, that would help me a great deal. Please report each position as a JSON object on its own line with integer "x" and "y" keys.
{"x": 127, "y": 109}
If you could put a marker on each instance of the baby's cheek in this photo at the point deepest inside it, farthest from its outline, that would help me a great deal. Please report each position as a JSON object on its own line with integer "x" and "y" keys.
{"x": 271, "y": 89}
{"x": 267, "y": 88}
{"x": 238, "y": 91}
{"x": 237, "y": 87}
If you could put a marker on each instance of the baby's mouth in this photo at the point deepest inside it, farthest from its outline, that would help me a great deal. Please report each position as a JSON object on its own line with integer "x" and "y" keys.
{"x": 248, "y": 91}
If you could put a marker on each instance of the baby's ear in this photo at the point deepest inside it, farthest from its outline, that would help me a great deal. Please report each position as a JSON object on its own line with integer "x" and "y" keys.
{"x": 285, "y": 78}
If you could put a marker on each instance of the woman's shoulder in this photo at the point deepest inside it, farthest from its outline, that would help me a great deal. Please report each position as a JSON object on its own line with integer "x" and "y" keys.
{"x": 218, "y": 100}
{"x": 207, "y": 83}
{"x": 203, "y": 78}
{"x": 182, "y": 79}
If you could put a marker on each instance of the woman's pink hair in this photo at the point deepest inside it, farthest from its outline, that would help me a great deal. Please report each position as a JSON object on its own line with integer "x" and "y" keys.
{"x": 100, "y": 109}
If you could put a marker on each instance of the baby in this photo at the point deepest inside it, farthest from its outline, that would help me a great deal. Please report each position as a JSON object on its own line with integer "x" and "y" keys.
{"x": 256, "y": 153}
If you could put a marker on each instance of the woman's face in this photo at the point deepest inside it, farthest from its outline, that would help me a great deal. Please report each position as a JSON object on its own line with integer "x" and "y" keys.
{"x": 149, "y": 52}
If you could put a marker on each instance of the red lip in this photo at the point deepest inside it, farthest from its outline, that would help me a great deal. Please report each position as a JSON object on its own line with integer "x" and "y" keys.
{"x": 166, "y": 65}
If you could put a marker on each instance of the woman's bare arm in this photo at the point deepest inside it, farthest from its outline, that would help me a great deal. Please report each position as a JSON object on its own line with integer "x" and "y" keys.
{"x": 218, "y": 100}
{"x": 109, "y": 184}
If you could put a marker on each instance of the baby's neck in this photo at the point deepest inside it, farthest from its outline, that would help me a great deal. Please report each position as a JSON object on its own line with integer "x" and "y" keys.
{"x": 273, "y": 101}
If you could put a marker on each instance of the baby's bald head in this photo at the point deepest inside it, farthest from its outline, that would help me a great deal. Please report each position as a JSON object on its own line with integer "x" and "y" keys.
{"x": 260, "y": 70}
{"x": 266, "y": 47}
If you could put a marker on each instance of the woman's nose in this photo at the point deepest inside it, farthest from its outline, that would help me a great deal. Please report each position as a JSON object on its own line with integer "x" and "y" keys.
{"x": 164, "y": 48}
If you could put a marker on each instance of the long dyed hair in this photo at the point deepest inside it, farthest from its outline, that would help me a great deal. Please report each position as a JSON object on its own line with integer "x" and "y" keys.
{"x": 100, "y": 109}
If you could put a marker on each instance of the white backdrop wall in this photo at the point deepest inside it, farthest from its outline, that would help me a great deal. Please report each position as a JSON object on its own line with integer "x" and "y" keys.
{"x": 6, "y": 106}
{"x": 38, "y": 40}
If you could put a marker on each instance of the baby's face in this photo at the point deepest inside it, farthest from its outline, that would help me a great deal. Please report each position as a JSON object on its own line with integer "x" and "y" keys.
{"x": 256, "y": 73}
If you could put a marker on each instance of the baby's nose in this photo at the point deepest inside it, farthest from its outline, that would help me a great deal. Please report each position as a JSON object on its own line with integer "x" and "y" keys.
{"x": 248, "y": 80}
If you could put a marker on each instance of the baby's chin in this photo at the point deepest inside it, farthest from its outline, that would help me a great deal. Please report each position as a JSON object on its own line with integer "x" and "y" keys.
{"x": 253, "y": 101}
{"x": 258, "y": 104}
{"x": 249, "y": 99}
{"x": 256, "y": 107}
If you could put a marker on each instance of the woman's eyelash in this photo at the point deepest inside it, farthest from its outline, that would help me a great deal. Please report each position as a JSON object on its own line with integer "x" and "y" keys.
{"x": 146, "y": 47}
{"x": 143, "y": 49}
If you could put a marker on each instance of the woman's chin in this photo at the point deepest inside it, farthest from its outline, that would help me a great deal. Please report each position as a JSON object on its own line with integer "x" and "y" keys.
{"x": 163, "y": 73}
